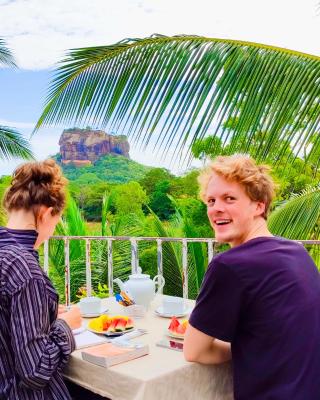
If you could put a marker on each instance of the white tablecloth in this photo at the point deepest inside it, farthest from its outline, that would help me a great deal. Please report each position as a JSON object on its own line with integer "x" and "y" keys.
{"x": 163, "y": 374}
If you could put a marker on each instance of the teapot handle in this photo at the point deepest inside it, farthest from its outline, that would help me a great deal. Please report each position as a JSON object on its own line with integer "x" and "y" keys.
{"x": 160, "y": 281}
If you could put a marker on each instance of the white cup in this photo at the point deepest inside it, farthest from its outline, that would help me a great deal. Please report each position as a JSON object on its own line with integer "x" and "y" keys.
{"x": 173, "y": 305}
{"x": 90, "y": 305}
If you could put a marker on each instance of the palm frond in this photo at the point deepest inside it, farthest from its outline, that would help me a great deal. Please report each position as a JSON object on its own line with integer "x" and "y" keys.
{"x": 299, "y": 217}
{"x": 6, "y": 57}
{"x": 13, "y": 144}
{"x": 182, "y": 86}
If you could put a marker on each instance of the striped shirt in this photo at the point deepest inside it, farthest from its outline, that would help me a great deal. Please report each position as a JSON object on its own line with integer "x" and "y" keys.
{"x": 34, "y": 344}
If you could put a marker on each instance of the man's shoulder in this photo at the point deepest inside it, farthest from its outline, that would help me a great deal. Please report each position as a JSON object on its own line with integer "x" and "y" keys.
{"x": 258, "y": 249}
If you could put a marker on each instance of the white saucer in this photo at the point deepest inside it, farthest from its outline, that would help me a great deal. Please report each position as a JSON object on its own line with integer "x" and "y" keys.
{"x": 93, "y": 315}
{"x": 159, "y": 311}
{"x": 78, "y": 330}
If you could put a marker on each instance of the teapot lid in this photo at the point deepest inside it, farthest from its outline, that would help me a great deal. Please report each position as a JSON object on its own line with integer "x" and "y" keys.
{"x": 139, "y": 275}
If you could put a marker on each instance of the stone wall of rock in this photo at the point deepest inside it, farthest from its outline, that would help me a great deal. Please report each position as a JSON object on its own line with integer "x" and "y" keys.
{"x": 84, "y": 146}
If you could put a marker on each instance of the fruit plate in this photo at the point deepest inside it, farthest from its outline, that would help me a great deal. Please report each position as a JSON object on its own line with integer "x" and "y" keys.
{"x": 106, "y": 333}
{"x": 175, "y": 335}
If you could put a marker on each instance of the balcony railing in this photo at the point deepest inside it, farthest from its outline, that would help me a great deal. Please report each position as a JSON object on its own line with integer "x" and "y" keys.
{"x": 134, "y": 256}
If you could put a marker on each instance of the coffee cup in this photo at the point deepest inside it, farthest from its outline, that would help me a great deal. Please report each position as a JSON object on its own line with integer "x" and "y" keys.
{"x": 90, "y": 305}
{"x": 173, "y": 305}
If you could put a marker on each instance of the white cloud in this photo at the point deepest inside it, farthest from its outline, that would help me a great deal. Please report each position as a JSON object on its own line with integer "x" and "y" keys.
{"x": 40, "y": 31}
{"x": 17, "y": 124}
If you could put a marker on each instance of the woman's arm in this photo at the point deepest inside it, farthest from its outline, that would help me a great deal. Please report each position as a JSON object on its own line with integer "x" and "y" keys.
{"x": 40, "y": 349}
{"x": 204, "y": 349}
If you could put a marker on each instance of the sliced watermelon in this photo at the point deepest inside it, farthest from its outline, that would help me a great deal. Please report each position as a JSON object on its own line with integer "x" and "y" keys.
{"x": 112, "y": 326}
{"x": 129, "y": 323}
{"x": 173, "y": 324}
{"x": 121, "y": 325}
{"x": 181, "y": 329}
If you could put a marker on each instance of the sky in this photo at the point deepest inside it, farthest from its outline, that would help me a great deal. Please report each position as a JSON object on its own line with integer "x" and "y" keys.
{"x": 39, "y": 32}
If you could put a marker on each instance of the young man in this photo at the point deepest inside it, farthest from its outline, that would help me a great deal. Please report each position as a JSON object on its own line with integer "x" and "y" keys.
{"x": 260, "y": 301}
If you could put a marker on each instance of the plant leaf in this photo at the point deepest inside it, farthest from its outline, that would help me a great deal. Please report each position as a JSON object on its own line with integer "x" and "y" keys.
{"x": 179, "y": 88}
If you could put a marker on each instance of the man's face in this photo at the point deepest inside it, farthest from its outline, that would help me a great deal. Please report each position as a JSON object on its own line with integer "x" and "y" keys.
{"x": 232, "y": 214}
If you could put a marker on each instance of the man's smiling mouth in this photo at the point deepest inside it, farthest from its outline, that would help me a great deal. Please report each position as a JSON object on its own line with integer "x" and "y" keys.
{"x": 221, "y": 221}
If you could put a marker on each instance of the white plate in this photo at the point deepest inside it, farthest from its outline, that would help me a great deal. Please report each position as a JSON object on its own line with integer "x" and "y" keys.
{"x": 174, "y": 335}
{"x": 94, "y": 315}
{"x": 78, "y": 330}
{"x": 110, "y": 333}
{"x": 159, "y": 311}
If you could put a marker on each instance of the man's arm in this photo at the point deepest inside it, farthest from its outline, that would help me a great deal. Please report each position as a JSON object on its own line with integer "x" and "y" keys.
{"x": 205, "y": 349}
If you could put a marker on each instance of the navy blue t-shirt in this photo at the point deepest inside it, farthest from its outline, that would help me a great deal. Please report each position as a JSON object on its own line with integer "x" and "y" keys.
{"x": 264, "y": 297}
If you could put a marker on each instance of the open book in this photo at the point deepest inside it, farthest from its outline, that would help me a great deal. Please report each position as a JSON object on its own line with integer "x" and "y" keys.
{"x": 109, "y": 354}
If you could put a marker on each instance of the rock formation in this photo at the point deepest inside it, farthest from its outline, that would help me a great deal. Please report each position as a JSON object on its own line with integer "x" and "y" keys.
{"x": 85, "y": 146}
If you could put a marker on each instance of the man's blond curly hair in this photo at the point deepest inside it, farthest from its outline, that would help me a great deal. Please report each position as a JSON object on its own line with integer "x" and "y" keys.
{"x": 240, "y": 168}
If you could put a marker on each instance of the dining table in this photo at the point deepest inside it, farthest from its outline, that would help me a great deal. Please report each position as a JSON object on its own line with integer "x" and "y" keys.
{"x": 163, "y": 374}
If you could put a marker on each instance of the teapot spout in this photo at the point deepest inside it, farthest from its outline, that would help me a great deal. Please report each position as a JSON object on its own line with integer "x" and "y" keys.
{"x": 120, "y": 284}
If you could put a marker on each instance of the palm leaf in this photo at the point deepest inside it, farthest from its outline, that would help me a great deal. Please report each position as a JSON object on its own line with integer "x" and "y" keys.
{"x": 197, "y": 252}
{"x": 72, "y": 225}
{"x": 13, "y": 144}
{"x": 182, "y": 86}
{"x": 6, "y": 57}
{"x": 299, "y": 217}
{"x": 171, "y": 254}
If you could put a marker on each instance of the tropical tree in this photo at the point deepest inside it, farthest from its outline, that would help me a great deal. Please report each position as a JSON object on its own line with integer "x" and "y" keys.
{"x": 12, "y": 143}
{"x": 181, "y": 87}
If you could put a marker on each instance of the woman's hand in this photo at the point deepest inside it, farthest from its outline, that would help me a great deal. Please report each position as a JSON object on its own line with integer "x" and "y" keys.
{"x": 72, "y": 317}
{"x": 62, "y": 309}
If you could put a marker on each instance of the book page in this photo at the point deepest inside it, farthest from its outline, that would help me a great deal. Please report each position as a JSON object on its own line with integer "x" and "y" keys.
{"x": 87, "y": 339}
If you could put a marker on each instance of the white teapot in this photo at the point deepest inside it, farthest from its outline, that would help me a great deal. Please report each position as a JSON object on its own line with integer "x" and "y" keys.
{"x": 140, "y": 287}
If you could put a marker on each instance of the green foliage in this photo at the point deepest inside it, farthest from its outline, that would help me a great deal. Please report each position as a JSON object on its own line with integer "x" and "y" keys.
{"x": 129, "y": 199}
{"x": 89, "y": 197}
{"x": 102, "y": 291}
{"x": 154, "y": 177}
{"x": 196, "y": 211}
{"x": 160, "y": 202}
{"x": 109, "y": 168}
{"x": 4, "y": 183}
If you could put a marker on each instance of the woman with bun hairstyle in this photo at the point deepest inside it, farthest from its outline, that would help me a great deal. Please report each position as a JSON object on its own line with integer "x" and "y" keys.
{"x": 34, "y": 344}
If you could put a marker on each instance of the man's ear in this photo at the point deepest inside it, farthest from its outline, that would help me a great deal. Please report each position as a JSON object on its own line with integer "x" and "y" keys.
{"x": 260, "y": 208}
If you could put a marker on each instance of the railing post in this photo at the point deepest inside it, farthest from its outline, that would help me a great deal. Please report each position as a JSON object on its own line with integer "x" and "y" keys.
{"x": 159, "y": 259}
{"x": 110, "y": 268}
{"x": 185, "y": 268}
{"x": 134, "y": 256}
{"x": 67, "y": 271}
{"x": 88, "y": 267}
{"x": 46, "y": 257}
{"x": 210, "y": 250}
